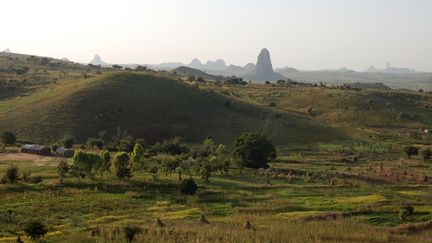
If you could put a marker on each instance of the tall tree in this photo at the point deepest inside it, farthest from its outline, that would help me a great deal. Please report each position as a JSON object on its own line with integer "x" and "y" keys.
{"x": 122, "y": 165}
{"x": 253, "y": 151}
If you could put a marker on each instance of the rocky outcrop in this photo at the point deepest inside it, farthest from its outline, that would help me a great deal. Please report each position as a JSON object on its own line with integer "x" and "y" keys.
{"x": 218, "y": 65}
{"x": 264, "y": 69}
{"x": 97, "y": 60}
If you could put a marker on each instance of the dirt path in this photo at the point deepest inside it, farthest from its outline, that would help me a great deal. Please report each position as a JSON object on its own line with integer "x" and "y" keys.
{"x": 20, "y": 157}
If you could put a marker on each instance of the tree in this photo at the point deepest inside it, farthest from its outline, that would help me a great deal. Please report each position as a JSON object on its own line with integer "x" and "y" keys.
{"x": 220, "y": 160}
{"x": 117, "y": 67}
{"x": 200, "y": 80}
{"x": 188, "y": 186}
{"x": 427, "y": 154}
{"x": 8, "y": 138}
{"x": 253, "y": 151}
{"x": 68, "y": 141}
{"x": 122, "y": 165}
{"x": 137, "y": 157}
{"x": 86, "y": 164}
{"x": 35, "y": 229}
{"x": 141, "y": 68}
{"x": 95, "y": 142}
{"x": 184, "y": 167}
{"x": 174, "y": 146}
{"x": 206, "y": 169}
{"x": 127, "y": 143}
{"x": 106, "y": 161}
{"x": 12, "y": 174}
{"x": 191, "y": 78}
{"x": 62, "y": 170}
{"x": 411, "y": 150}
{"x": 168, "y": 163}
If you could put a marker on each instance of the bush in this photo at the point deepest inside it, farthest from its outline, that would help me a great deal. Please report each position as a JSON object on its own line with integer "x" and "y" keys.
{"x": 427, "y": 154}
{"x": 131, "y": 231}
{"x": 409, "y": 208}
{"x": 8, "y": 138}
{"x": 406, "y": 212}
{"x": 36, "y": 179}
{"x": 68, "y": 142}
{"x": 35, "y": 229}
{"x": 411, "y": 150}
{"x": 188, "y": 186}
{"x": 12, "y": 174}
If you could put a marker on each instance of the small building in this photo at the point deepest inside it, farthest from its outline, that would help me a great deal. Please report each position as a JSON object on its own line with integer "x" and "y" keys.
{"x": 35, "y": 149}
{"x": 65, "y": 152}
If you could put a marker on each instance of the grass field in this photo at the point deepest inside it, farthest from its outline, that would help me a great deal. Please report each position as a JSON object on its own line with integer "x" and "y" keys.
{"x": 326, "y": 200}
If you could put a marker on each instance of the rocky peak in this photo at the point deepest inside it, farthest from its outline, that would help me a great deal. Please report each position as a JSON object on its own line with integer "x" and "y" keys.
{"x": 264, "y": 64}
{"x": 196, "y": 63}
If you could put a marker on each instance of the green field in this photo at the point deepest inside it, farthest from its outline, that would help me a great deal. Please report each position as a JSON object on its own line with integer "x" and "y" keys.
{"x": 323, "y": 201}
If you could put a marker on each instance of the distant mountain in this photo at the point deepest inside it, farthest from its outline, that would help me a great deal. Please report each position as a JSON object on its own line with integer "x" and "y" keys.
{"x": 97, "y": 60}
{"x": 287, "y": 70}
{"x": 7, "y": 50}
{"x": 264, "y": 69}
{"x": 389, "y": 69}
{"x": 371, "y": 69}
{"x": 196, "y": 63}
{"x": 218, "y": 65}
{"x": 197, "y": 73}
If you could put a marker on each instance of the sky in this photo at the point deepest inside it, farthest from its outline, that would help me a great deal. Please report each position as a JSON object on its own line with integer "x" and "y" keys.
{"x": 304, "y": 34}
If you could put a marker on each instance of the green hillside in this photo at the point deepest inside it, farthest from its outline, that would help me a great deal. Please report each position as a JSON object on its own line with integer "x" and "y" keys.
{"x": 150, "y": 106}
{"x": 360, "y": 113}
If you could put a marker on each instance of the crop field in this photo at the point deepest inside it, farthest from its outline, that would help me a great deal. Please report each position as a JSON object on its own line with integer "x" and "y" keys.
{"x": 318, "y": 196}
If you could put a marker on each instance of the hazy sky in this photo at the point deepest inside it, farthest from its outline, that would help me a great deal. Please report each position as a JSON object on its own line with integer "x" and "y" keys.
{"x": 305, "y": 34}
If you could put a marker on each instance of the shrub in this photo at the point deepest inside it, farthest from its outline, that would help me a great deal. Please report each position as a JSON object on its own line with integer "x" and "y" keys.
{"x": 36, "y": 179}
{"x": 188, "y": 186}
{"x": 12, "y": 174}
{"x": 427, "y": 154}
{"x": 35, "y": 229}
{"x": 409, "y": 208}
{"x": 411, "y": 150}
{"x": 68, "y": 142}
{"x": 62, "y": 170}
{"x": 8, "y": 138}
{"x": 403, "y": 214}
{"x": 131, "y": 231}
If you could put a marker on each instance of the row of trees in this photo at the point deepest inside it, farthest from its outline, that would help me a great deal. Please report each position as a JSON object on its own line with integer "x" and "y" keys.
{"x": 173, "y": 156}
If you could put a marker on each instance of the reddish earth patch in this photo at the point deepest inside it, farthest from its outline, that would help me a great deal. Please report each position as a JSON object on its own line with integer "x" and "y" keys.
{"x": 19, "y": 157}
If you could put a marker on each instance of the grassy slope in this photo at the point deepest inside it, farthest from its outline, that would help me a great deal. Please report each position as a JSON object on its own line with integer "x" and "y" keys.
{"x": 149, "y": 106}
{"x": 347, "y": 110}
